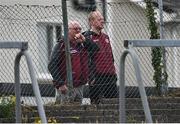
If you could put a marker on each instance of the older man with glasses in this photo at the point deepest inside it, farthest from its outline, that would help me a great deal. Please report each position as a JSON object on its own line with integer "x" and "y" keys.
{"x": 79, "y": 46}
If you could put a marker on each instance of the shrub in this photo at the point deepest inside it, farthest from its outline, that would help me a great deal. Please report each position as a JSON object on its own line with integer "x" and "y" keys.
{"x": 7, "y": 106}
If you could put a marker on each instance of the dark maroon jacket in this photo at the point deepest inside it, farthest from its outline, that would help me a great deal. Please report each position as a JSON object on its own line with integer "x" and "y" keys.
{"x": 103, "y": 59}
{"x": 79, "y": 60}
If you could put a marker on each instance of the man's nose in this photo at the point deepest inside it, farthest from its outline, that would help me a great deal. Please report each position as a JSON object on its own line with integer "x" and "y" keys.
{"x": 78, "y": 31}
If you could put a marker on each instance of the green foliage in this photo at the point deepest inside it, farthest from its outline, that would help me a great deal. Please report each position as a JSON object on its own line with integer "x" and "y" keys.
{"x": 160, "y": 76}
{"x": 51, "y": 120}
{"x": 130, "y": 119}
{"x": 7, "y": 106}
{"x": 151, "y": 20}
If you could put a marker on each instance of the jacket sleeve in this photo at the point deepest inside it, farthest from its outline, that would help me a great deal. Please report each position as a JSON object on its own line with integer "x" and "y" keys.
{"x": 111, "y": 49}
{"x": 89, "y": 44}
{"x": 92, "y": 49}
{"x": 54, "y": 66}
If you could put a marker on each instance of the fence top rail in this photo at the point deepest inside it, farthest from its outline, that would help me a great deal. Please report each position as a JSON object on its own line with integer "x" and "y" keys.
{"x": 13, "y": 45}
{"x": 151, "y": 43}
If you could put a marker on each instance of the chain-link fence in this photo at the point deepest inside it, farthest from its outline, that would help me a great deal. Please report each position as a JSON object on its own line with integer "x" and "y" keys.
{"x": 41, "y": 26}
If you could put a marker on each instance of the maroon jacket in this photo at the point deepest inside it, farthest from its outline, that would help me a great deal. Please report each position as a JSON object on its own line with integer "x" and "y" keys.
{"x": 79, "y": 60}
{"x": 103, "y": 59}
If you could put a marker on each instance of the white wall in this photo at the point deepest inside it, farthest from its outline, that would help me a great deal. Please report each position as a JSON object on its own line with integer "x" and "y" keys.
{"x": 172, "y": 53}
{"x": 124, "y": 22}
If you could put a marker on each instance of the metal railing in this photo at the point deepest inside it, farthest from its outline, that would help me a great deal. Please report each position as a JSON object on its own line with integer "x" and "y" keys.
{"x": 23, "y": 46}
{"x": 129, "y": 44}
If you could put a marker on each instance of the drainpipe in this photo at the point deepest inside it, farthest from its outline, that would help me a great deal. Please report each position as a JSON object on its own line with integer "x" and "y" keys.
{"x": 160, "y": 3}
{"x": 164, "y": 87}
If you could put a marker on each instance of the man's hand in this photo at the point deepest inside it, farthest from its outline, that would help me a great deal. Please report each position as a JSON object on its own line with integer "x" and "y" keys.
{"x": 63, "y": 89}
{"x": 79, "y": 38}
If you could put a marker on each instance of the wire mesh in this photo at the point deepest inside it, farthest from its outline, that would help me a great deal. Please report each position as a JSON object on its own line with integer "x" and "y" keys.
{"x": 41, "y": 27}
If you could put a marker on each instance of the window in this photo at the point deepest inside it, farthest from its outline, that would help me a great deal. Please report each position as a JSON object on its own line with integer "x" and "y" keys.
{"x": 86, "y": 5}
{"x": 48, "y": 34}
{"x": 53, "y": 35}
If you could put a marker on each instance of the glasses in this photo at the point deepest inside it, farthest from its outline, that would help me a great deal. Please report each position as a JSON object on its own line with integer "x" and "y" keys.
{"x": 77, "y": 28}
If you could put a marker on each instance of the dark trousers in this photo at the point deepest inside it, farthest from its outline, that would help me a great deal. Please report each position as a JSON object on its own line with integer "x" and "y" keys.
{"x": 103, "y": 87}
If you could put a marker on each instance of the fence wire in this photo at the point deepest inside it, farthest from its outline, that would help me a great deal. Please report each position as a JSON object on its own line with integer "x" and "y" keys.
{"x": 41, "y": 27}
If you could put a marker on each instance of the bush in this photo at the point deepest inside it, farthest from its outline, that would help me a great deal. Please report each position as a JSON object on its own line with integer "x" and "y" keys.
{"x": 7, "y": 106}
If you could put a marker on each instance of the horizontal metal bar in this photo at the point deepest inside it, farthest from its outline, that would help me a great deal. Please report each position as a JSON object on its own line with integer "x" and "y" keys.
{"x": 13, "y": 45}
{"x": 152, "y": 43}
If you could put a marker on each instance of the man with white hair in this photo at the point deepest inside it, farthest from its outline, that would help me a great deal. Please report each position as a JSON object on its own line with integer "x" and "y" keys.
{"x": 79, "y": 61}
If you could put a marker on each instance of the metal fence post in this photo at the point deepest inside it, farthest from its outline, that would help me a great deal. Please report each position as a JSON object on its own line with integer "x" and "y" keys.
{"x": 104, "y": 9}
{"x": 122, "y": 117}
{"x": 18, "y": 88}
{"x": 67, "y": 45}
